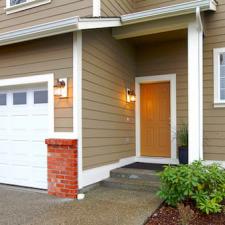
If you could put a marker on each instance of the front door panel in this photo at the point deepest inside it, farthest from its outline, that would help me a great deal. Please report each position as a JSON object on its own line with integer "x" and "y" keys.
{"x": 155, "y": 119}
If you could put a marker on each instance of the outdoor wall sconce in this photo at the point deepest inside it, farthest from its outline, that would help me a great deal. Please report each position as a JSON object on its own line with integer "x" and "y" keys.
{"x": 131, "y": 97}
{"x": 60, "y": 88}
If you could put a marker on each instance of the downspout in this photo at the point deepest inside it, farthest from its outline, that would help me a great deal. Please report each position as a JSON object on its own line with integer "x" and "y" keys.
{"x": 201, "y": 34}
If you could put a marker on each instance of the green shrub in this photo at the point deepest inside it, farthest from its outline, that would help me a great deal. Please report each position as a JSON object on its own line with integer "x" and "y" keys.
{"x": 204, "y": 184}
{"x": 182, "y": 136}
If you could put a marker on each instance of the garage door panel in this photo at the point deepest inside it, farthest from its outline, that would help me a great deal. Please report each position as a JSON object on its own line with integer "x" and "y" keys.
{"x": 4, "y": 173}
{"x": 38, "y": 135}
{"x": 37, "y": 145}
{"x": 38, "y": 177}
{"x": 39, "y": 158}
{"x": 4, "y": 159}
{"x": 4, "y": 122}
{"x": 39, "y": 122}
{"x": 21, "y": 176}
{"x": 4, "y": 152}
{"x": 20, "y": 122}
{"x": 23, "y": 153}
{"x": 39, "y": 162}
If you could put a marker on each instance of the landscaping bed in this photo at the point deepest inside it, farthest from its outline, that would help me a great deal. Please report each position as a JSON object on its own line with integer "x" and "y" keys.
{"x": 193, "y": 194}
{"x": 167, "y": 215}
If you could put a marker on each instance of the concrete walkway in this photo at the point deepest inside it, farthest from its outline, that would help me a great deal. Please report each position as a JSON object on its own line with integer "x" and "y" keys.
{"x": 102, "y": 206}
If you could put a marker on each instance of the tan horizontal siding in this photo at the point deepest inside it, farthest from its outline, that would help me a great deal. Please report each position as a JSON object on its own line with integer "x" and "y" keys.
{"x": 56, "y": 10}
{"x": 141, "y": 5}
{"x": 43, "y": 56}
{"x": 108, "y": 120}
{"x": 167, "y": 58}
{"x": 116, "y": 7}
{"x": 214, "y": 125}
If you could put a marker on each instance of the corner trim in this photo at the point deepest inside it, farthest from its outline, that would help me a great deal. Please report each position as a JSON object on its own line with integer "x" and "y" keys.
{"x": 77, "y": 100}
{"x": 96, "y": 8}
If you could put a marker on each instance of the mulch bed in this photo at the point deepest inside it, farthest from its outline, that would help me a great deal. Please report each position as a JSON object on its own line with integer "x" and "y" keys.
{"x": 167, "y": 215}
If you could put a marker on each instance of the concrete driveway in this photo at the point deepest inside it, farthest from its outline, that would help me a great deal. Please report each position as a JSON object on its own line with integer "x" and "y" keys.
{"x": 102, "y": 206}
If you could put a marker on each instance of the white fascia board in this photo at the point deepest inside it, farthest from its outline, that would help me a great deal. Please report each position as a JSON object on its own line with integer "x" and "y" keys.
{"x": 39, "y": 31}
{"x": 169, "y": 11}
{"x": 94, "y": 23}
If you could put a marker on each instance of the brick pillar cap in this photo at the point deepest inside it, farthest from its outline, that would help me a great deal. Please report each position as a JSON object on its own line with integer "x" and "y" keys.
{"x": 62, "y": 142}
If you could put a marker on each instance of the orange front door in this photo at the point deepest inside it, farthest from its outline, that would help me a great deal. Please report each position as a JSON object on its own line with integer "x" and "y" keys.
{"x": 155, "y": 119}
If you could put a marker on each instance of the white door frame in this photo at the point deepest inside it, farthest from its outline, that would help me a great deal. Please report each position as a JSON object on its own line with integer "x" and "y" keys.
{"x": 46, "y": 78}
{"x": 173, "y": 111}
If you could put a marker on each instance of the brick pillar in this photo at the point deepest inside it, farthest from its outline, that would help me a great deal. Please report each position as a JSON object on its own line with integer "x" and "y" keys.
{"x": 62, "y": 168}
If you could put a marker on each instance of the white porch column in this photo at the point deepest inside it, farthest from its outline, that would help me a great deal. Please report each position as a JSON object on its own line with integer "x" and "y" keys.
{"x": 195, "y": 91}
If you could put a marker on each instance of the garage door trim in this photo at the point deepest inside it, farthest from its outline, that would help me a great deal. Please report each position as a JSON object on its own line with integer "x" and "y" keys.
{"x": 46, "y": 78}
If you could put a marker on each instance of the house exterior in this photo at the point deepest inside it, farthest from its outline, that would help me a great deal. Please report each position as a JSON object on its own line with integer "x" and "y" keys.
{"x": 66, "y": 66}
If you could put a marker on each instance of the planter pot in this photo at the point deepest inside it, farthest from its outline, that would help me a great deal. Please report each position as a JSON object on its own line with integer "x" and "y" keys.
{"x": 183, "y": 155}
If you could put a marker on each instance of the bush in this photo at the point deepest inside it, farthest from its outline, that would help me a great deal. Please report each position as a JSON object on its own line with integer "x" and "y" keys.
{"x": 204, "y": 184}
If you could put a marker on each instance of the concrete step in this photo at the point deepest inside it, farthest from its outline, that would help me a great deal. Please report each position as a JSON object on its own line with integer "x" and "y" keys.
{"x": 131, "y": 184}
{"x": 139, "y": 174}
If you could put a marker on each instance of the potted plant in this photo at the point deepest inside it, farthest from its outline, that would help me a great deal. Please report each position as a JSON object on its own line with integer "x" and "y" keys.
{"x": 182, "y": 137}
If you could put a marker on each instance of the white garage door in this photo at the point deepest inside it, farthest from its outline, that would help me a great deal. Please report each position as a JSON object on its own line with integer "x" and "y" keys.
{"x": 23, "y": 129}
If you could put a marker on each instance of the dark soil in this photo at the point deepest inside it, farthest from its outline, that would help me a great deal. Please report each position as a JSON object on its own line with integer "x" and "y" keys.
{"x": 167, "y": 215}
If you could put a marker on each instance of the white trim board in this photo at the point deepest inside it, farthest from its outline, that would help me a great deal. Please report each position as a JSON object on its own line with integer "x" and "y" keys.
{"x": 98, "y": 174}
{"x": 157, "y": 160}
{"x": 77, "y": 99}
{"x": 209, "y": 162}
{"x": 173, "y": 107}
{"x": 218, "y": 103}
{"x": 47, "y": 78}
{"x": 24, "y": 6}
{"x": 95, "y": 175}
{"x": 96, "y": 8}
{"x": 195, "y": 92}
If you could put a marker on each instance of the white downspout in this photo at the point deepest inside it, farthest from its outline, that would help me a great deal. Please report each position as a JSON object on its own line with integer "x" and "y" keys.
{"x": 195, "y": 89}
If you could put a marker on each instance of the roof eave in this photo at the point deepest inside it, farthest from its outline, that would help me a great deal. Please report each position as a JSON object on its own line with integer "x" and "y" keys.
{"x": 168, "y": 11}
{"x": 57, "y": 27}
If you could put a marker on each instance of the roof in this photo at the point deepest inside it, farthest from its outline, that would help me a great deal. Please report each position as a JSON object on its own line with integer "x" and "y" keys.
{"x": 77, "y": 23}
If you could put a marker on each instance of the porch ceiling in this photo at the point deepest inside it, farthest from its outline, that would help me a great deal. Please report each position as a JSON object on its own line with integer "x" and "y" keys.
{"x": 160, "y": 37}
{"x": 154, "y": 27}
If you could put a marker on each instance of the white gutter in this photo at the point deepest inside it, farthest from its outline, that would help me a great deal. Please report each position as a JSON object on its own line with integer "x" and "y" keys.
{"x": 39, "y": 31}
{"x": 57, "y": 27}
{"x": 169, "y": 11}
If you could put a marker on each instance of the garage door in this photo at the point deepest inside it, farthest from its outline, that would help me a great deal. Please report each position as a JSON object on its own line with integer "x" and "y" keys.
{"x": 23, "y": 129}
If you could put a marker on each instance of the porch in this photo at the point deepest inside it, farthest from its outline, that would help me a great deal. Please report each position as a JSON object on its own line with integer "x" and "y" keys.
{"x": 168, "y": 85}
{"x": 161, "y": 52}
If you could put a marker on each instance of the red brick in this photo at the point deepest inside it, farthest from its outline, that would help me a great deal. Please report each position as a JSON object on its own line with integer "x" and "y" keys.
{"x": 61, "y": 142}
{"x": 62, "y": 168}
{"x": 72, "y": 187}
